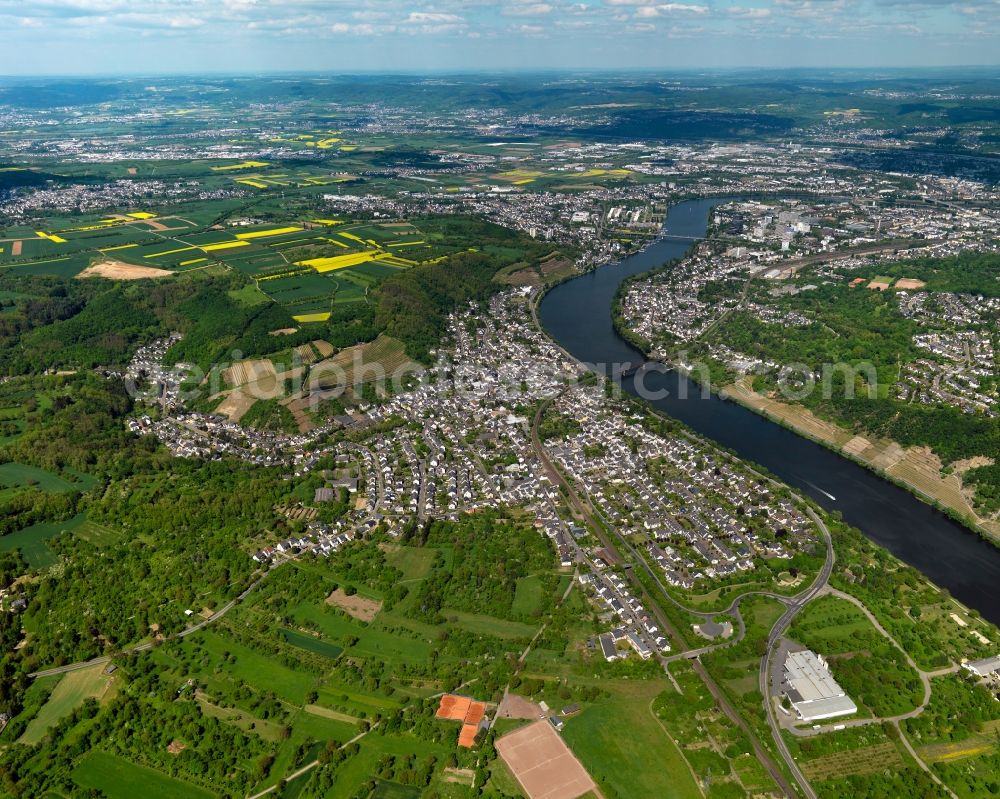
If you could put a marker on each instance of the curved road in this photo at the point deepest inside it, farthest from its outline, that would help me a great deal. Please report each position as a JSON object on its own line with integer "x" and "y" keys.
{"x": 777, "y": 633}
{"x": 793, "y": 606}
{"x": 925, "y": 676}
{"x": 589, "y": 517}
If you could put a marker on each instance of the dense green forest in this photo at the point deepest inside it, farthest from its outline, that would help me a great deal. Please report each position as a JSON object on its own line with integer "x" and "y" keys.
{"x": 413, "y": 306}
{"x": 848, "y": 327}
{"x": 489, "y": 554}
{"x": 50, "y": 322}
{"x": 183, "y": 526}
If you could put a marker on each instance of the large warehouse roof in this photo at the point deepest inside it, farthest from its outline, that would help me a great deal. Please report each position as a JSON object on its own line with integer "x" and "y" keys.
{"x": 813, "y": 692}
{"x": 984, "y": 668}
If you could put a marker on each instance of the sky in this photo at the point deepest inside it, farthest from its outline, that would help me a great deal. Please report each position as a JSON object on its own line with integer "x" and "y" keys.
{"x": 231, "y": 36}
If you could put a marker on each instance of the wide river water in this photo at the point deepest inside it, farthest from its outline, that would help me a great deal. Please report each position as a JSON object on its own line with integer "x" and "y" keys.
{"x": 577, "y": 314}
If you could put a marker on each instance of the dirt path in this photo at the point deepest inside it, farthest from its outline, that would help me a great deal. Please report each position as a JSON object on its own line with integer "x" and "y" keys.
{"x": 309, "y": 766}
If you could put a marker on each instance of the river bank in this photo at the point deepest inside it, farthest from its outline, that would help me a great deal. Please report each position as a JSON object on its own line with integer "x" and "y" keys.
{"x": 917, "y": 469}
{"x": 577, "y": 314}
{"x": 914, "y": 469}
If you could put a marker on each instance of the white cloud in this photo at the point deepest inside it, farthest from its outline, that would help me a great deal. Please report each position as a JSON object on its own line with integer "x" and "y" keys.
{"x": 527, "y": 10}
{"x": 186, "y": 21}
{"x": 206, "y": 24}
{"x": 749, "y": 13}
{"x": 433, "y": 18}
{"x": 668, "y": 9}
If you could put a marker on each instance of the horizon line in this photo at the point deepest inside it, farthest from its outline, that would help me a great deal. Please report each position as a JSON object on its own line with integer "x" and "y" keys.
{"x": 471, "y": 71}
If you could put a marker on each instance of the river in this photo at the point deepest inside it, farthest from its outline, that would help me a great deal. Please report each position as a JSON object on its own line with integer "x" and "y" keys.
{"x": 577, "y": 314}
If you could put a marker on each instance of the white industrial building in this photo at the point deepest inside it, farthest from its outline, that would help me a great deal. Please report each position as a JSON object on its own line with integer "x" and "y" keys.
{"x": 984, "y": 668}
{"x": 811, "y": 689}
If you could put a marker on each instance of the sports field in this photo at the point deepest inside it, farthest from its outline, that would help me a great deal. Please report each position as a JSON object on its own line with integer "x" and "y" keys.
{"x": 543, "y": 764}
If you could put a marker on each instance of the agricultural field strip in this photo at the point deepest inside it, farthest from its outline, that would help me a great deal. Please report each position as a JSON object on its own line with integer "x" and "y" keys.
{"x": 147, "y": 235}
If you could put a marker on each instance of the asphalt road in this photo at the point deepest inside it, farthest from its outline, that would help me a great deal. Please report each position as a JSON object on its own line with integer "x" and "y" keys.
{"x": 777, "y": 633}
{"x": 581, "y": 509}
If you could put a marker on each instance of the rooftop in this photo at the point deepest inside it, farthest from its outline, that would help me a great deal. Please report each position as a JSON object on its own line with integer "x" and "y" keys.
{"x": 812, "y": 690}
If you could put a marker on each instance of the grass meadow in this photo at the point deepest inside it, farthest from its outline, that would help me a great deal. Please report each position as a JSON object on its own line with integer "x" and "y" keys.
{"x": 118, "y": 778}
{"x": 69, "y": 693}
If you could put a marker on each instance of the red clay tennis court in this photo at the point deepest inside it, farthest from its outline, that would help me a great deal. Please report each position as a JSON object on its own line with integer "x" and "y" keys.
{"x": 467, "y": 737}
{"x": 543, "y": 764}
{"x": 453, "y": 707}
{"x": 465, "y": 710}
{"x": 475, "y": 713}
{"x": 461, "y": 708}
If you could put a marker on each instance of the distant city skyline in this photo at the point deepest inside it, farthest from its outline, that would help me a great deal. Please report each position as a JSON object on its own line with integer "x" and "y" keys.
{"x": 174, "y": 36}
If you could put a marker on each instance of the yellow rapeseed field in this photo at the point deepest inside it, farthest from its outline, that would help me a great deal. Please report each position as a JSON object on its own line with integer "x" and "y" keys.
{"x": 312, "y": 317}
{"x": 339, "y": 261}
{"x": 169, "y": 252}
{"x": 263, "y": 234}
{"x": 241, "y": 165}
{"x": 50, "y": 237}
{"x": 223, "y": 245}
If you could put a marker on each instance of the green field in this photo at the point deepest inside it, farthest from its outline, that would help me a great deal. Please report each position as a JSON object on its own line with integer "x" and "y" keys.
{"x": 414, "y": 562}
{"x": 32, "y": 541}
{"x": 393, "y": 790}
{"x": 489, "y": 625}
{"x": 528, "y": 596}
{"x": 355, "y": 701}
{"x": 69, "y": 694}
{"x": 289, "y": 290}
{"x": 18, "y": 475}
{"x": 372, "y": 641}
{"x": 268, "y": 730}
{"x": 97, "y": 534}
{"x": 309, "y": 725}
{"x": 260, "y": 671}
{"x": 249, "y": 295}
{"x": 312, "y": 644}
{"x": 363, "y": 767}
{"x": 374, "y": 270}
{"x": 19, "y": 424}
{"x": 623, "y": 746}
{"x": 35, "y": 697}
{"x": 117, "y": 778}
